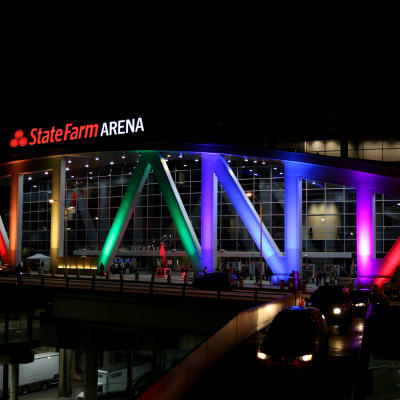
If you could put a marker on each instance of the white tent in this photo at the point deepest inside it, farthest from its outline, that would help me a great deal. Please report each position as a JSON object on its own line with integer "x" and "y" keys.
{"x": 41, "y": 257}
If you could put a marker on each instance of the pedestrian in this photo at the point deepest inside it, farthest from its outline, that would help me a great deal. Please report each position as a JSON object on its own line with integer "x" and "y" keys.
{"x": 183, "y": 271}
{"x": 256, "y": 273}
{"x": 332, "y": 279}
{"x": 205, "y": 270}
{"x": 317, "y": 278}
{"x": 310, "y": 233}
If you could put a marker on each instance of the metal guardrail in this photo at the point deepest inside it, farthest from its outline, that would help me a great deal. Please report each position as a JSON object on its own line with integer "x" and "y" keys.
{"x": 101, "y": 284}
{"x": 361, "y": 375}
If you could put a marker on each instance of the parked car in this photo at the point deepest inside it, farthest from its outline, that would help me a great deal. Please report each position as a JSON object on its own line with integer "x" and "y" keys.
{"x": 140, "y": 384}
{"x": 112, "y": 381}
{"x": 298, "y": 336}
{"x": 335, "y": 304}
{"x": 6, "y": 270}
{"x": 42, "y": 373}
{"x": 362, "y": 298}
{"x": 216, "y": 281}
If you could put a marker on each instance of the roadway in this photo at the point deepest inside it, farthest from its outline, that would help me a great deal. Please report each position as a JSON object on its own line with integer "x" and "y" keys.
{"x": 238, "y": 374}
{"x": 52, "y": 393}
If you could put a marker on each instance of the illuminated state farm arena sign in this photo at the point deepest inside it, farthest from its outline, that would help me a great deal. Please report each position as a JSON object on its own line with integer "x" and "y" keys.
{"x": 70, "y": 132}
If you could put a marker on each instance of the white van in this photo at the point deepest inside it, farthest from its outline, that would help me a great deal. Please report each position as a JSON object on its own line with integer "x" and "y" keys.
{"x": 39, "y": 374}
{"x": 113, "y": 379}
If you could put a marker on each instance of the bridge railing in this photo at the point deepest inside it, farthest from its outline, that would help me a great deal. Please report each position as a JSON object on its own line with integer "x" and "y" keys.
{"x": 178, "y": 380}
{"x": 145, "y": 288}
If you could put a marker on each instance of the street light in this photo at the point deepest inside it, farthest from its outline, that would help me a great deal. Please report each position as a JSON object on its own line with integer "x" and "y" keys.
{"x": 249, "y": 195}
{"x": 66, "y": 209}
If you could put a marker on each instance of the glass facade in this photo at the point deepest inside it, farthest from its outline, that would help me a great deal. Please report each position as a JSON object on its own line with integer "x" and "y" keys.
{"x": 96, "y": 192}
{"x": 329, "y": 217}
{"x": 96, "y": 183}
{"x": 387, "y": 223}
{"x": 36, "y": 219}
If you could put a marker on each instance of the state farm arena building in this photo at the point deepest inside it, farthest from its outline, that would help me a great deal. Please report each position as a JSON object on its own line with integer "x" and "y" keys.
{"x": 92, "y": 194}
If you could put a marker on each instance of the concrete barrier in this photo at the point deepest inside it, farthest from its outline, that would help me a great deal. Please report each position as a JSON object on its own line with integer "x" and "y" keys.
{"x": 177, "y": 381}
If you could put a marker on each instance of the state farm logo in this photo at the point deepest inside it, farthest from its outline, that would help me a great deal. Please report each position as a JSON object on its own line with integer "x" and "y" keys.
{"x": 71, "y": 132}
{"x": 19, "y": 139}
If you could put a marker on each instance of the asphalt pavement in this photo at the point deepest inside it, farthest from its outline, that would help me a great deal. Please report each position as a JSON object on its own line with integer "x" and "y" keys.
{"x": 52, "y": 394}
{"x": 239, "y": 375}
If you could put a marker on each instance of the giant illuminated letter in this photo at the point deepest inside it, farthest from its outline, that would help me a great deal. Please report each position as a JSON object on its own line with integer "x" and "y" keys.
{"x": 215, "y": 167}
{"x": 151, "y": 159}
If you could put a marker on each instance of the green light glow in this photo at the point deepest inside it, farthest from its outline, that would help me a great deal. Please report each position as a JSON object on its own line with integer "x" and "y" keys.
{"x": 124, "y": 213}
{"x": 177, "y": 210}
{"x": 151, "y": 159}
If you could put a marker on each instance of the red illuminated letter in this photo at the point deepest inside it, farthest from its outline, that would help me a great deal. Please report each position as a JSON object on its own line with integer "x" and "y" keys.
{"x": 67, "y": 131}
{"x": 33, "y": 136}
{"x": 58, "y": 135}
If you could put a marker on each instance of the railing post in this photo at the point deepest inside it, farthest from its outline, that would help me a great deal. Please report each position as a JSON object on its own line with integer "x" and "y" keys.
{"x": 93, "y": 280}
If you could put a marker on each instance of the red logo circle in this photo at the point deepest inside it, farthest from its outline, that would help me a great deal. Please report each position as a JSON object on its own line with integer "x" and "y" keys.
{"x": 14, "y": 143}
{"x": 19, "y": 139}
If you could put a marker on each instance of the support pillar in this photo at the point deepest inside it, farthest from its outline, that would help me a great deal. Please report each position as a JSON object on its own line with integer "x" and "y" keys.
{"x": 367, "y": 265}
{"x": 16, "y": 199}
{"x": 64, "y": 381}
{"x": 57, "y": 213}
{"x": 5, "y": 382}
{"x": 129, "y": 373}
{"x": 209, "y": 204}
{"x": 293, "y": 211}
{"x": 158, "y": 362}
{"x": 14, "y": 381}
{"x": 90, "y": 376}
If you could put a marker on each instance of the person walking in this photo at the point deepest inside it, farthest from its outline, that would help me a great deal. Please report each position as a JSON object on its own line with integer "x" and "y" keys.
{"x": 257, "y": 274}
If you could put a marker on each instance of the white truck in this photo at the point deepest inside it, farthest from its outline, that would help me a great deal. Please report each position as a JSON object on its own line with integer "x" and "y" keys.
{"x": 39, "y": 374}
{"x": 114, "y": 378}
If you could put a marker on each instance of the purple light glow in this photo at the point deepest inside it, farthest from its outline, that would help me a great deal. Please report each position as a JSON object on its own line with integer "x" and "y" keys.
{"x": 214, "y": 164}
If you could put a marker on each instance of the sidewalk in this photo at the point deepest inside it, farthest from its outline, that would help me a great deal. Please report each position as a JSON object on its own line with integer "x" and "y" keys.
{"x": 176, "y": 278}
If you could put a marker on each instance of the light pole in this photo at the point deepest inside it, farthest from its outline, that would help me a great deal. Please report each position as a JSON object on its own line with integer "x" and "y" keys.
{"x": 66, "y": 209}
{"x": 249, "y": 195}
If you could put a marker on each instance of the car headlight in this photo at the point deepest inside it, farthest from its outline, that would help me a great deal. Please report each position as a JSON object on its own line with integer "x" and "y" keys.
{"x": 337, "y": 310}
{"x": 262, "y": 356}
{"x": 305, "y": 358}
{"x": 360, "y": 304}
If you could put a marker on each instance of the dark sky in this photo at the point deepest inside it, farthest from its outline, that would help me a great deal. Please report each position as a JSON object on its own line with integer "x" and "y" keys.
{"x": 211, "y": 115}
